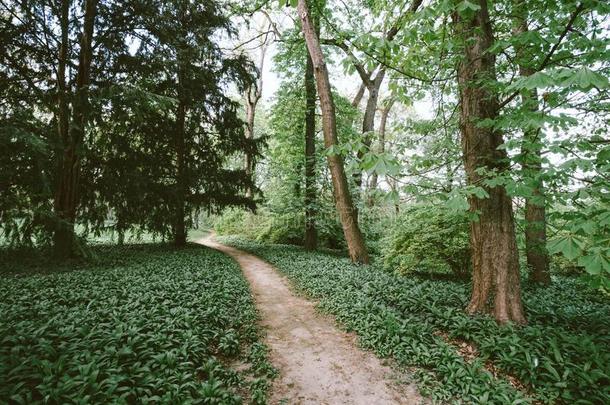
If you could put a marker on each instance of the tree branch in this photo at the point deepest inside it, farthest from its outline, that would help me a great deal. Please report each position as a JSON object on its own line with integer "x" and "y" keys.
{"x": 549, "y": 55}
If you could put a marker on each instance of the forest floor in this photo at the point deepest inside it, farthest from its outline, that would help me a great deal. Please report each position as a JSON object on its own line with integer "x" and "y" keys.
{"x": 318, "y": 363}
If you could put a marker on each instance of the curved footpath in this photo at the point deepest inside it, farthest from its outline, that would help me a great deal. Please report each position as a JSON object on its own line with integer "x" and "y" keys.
{"x": 318, "y": 363}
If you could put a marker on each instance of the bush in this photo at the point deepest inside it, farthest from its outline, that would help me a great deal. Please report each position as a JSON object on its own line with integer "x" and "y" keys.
{"x": 581, "y": 242}
{"x": 429, "y": 239}
{"x": 231, "y": 222}
{"x": 285, "y": 228}
{"x": 263, "y": 226}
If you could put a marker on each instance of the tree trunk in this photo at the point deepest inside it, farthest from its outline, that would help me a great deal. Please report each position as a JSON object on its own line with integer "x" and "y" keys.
{"x": 496, "y": 284}
{"x": 180, "y": 213}
{"x": 345, "y": 207}
{"x": 249, "y": 160}
{"x": 180, "y": 149}
{"x": 368, "y": 121}
{"x": 531, "y": 153}
{"x": 311, "y": 234}
{"x": 253, "y": 95}
{"x": 67, "y": 192}
{"x": 535, "y": 229}
{"x": 368, "y": 127}
{"x": 358, "y": 97}
{"x": 382, "y": 126}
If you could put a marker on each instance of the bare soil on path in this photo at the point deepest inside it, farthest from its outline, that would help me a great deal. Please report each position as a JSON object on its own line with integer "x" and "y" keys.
{"x": 318, "y": 363}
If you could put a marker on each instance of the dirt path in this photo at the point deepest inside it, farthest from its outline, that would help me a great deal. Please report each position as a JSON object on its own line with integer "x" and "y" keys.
{"x": 318, "y": 363}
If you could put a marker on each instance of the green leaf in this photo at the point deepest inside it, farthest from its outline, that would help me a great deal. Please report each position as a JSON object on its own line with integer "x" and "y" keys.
{"x": 595, "y": 263}
{"x": 570, "y": 246}
{"x": 585, "y": 79}
{"x": 457, "y": 203}
{"x": 466, "y": 6}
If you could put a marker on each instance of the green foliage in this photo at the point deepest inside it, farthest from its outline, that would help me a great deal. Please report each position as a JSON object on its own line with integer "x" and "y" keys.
{"x": 428, "y": 238}
{"x": 585, "y": 241}
{"x": 287, "y": 228}
{"x": 140, "y": 179}
{"x": 582, "y": 78}
{"x": 231, "y": 222}
{"x": 150, "y": 60}
{"x": 561, "y": 356}
{"x": 146, "y": 323}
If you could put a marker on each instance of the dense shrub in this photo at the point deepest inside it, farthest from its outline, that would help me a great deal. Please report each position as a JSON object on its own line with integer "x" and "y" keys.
{"x": 281, "y": 228}
{"x": 561, "y": 356}
{"x": 146, "y": 323}
{"x": 581, "y": 237}
{"x": 286, "y": 228}
{"x": 430, "y": 239}
{"x": 231, "y": 222}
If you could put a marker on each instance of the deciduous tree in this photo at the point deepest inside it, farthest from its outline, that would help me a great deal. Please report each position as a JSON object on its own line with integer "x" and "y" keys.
{"x": 345, "y": 206}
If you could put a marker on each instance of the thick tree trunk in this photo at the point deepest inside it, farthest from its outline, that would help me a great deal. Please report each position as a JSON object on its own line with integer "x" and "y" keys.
{"x": 496, "y": 284}
{"x": 345, "y": 207}
{"x": 311, "y": 234}
{"x": 67, "y": 192}
{"x": 531, "y": 152}
{"x": 385, "y": 111}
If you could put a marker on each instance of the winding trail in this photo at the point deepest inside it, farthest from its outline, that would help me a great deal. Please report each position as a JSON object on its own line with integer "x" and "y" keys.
{"x": 318, "y": 363}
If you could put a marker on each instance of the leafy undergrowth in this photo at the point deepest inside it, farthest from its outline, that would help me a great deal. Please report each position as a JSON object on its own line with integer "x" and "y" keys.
{"x": 561, "y": 356}
{"x": 143, "y": 323}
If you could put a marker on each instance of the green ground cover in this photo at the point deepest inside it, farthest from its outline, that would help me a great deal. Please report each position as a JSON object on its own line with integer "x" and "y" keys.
{"x": 135, "y": 323}
{"x": 561, "y": 356}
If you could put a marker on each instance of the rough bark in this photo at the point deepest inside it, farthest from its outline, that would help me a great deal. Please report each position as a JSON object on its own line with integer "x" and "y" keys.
{"x": 385, "y": 111}
{"x": 311, "y": 234}
{"x": 345, "y": 207}
{"x": 496, "y": 285}
{"x": 67, "y": 192}
{"x": 531, "y": 153}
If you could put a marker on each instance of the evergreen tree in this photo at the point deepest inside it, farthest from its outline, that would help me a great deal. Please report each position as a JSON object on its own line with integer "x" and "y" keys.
{"x": 168, "y": 135}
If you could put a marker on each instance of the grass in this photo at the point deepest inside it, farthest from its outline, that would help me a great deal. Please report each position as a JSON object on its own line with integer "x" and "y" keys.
{"x": 137, "y": 323}
{"x": 561, "y": 356}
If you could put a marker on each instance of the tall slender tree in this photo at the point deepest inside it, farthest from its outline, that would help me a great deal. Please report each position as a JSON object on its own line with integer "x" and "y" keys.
{"x": 383, "y": 120}
{"x": 253, "y": 95}
{"x": 345, "y": 206}
{"x": 311, "y": 234}
{"x": 371, "y": 81}
{"x": 531, "y": 155}
{"x": 67, "y": 54}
